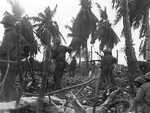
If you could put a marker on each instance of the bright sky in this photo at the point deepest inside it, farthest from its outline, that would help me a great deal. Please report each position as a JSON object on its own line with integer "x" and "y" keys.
{"x": 65, "y": 11}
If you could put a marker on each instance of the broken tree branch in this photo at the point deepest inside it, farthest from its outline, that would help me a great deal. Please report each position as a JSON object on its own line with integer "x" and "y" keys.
{"x": 64, "y": 89}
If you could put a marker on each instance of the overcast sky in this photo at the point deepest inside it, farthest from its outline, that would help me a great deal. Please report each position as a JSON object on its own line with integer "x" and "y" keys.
{"x": 66, "y": 10}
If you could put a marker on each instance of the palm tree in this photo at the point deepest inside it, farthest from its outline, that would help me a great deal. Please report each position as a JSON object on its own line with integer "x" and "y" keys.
{"x": 27, "y": 32}
{"x": 106, "y": 35}
{"x": 142, "y": 49}
{"x": 23, "y": 29}
{"x": 83, "y": 25}
{"x": 44, "y": 20}
{"x": 11, "y": 19}
{"x": 46, "y": 29}
{"x": 139, "y": 18}
{"x": 75, "y": 43}
{"x": 133, "y": 68}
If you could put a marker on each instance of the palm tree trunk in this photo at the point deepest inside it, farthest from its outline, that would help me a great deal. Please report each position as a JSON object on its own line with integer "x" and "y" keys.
{"x": 133, "y": 68}
{"x": 79, "y": 56}
{"x": 147, "y": 37}
{"x": 87, "y": 57}
{"x": 18, "y": 29}
{"x": 42, "y": 89}
{"x": 91, "y": 53}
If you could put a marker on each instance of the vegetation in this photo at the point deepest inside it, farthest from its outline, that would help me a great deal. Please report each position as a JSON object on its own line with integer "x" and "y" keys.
{"x": 135, "y": 13}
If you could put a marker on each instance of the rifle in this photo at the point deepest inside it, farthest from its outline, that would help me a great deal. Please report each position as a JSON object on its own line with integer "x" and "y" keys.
{"x": 98, "y": 54}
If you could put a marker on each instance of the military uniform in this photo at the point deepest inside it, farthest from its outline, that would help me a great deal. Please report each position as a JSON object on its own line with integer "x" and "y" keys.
{"x": 107, "y": 66}
{"x": 58, "y": 54}
{"x": 143, "y": 96}
{"x": 139, "y": 81}
{"x": 72, "y": 67}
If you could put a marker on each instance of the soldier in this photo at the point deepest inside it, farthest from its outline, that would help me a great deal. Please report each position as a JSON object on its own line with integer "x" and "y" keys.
{"x": 72, "y": 66}
{"x": 107, "y": 66}
{"x": 143, "y": 96}
{"x": 139, "y": 81}
{"x": 59, "y": 54}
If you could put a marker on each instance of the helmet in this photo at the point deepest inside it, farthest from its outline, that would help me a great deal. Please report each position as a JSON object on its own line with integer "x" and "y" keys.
{"x": 9, "y": 19}
{"x": 57, "y": 40}
{"x": 140, "y": 80}
{"x": 107, "y": 51}
{"x": 147, "y": 76}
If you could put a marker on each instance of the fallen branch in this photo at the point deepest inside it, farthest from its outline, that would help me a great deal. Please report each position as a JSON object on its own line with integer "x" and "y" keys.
{"x": 103, "y": 107}
{"x": 111, "y": 97}
{"x": 6, "y": 61}
{"x": 77, "y": 106}
{"x": 64, "y": 89}
{"x": 81, "y": 89}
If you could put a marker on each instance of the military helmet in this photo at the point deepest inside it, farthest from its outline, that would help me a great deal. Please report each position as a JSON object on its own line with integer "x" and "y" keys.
{"x": 57, "y": 40}
{"x": 147, "y": 76}
{"x": 9, "y": 19}
{"x": 107, "y": 51}
{"x": 140, "y": 80}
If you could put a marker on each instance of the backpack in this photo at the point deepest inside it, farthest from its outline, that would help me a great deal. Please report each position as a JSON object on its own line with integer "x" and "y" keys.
{"x": 107, "y": 62}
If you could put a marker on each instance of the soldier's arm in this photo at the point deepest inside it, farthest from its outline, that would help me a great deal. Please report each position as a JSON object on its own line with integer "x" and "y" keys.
{"x": 139, "y": 96}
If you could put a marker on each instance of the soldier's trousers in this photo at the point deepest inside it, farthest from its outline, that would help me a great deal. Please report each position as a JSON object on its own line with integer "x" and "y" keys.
{"x": 58, "y": 74}
{"x": 107, "y": 76}
{"x": 57, "y": 79}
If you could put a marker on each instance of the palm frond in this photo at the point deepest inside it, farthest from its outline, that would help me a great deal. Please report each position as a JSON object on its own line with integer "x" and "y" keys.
{"x": 103, "y": 14}
{"x": 138, "y": 10}
{"x": 44, "y": 21}
{"x": 17, "y": 10}
{"x": 54, "y": 11}
{"x": 68, "y": 27}
{"x": 75, "y": 44}
{"x": 27, "y": 32}
{"x": 70, "y": 35}
{"x": 41, "y": 15}
{"x": 36, "y": 19}
{"x": 84, "y": 3}
{"x": 117, "y": 4}
{"x": 106, "y": 35}
{"x": 142, "y": 49}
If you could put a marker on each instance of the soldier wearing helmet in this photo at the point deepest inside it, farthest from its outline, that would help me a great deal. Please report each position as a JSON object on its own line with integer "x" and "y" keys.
{"x": 139, "y": 81}
{"x": 107, "y": 51}
{"x": 72, "y": 66}
{"x": 59, "y": 55}
{"x": 107, "y": 66}
{"x": 143, "y": 96}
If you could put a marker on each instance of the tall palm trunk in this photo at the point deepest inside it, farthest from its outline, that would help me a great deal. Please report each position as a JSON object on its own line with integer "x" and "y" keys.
{"x": 42, "y": 89}
{"x": 87, "y": 57}
{"x": 91, "y": 53}
{"x": 147, "y": 36}
{"x": 79, "y": 56}
{"x": 18, "y": 29}
{"x": 133, "y": 68}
